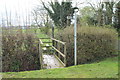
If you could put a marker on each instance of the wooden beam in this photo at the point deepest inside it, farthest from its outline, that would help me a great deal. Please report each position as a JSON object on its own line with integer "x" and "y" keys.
{"x": 58, "y": 41}
{"x": 60, "y": 60}
{"x": 44, "y": 38}
{"x": 58, "y": 51}
{"x": 46, "y": 46}
{"x": 47, "y": 42}
{"x": 40, "y": 41}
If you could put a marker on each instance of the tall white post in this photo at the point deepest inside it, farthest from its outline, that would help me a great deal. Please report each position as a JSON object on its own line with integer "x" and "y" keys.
{"x": 75, "y": 39}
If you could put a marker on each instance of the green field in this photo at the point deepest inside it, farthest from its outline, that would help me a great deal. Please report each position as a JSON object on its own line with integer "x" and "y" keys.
{"x": 107, "y": 68}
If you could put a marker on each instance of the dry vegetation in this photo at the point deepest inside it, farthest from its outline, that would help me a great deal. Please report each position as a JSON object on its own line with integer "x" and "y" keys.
{"x": 19, "y": 50}
{"x": 93, "y": 43}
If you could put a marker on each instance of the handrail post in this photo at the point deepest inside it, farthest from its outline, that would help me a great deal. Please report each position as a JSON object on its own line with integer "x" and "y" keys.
{"x": 65, "y": 53}
{"x": 58, "y": 44}
{"x": 40, "y": 55}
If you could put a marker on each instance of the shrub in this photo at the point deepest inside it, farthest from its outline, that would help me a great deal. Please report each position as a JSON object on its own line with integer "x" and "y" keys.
{"x": 93, "y": 43}
{"x": 19, "y": 51}
{"x": 45, "y": 30}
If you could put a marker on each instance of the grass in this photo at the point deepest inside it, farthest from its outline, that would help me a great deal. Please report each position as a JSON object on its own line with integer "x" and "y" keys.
{"x": 107, "y": 68}
{"x": 42, "y": 35}
{"x": 104, "y": 69}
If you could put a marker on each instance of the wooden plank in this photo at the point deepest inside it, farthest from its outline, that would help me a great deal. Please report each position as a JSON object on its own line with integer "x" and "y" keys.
{"x": 58, "y": 51}
{"x": 58, "y": 41}
{"x": 59, "y": 60}
{"x": 47, "y": 42}
{"x": 46, "y": 46}
{"x": 44, "y": 38}
{"x": 40, "y": 41}
{"x": 50, "y": 62}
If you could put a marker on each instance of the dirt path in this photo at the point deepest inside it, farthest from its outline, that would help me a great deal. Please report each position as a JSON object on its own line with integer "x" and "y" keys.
{"x": 50, "y": 62}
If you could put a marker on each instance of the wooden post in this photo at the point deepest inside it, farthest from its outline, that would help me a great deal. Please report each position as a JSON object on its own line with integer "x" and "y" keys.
{"x": 40, "y": 55}
{"x": 58, "y": 49}
{"x": 53, "y": 42}
{"x": 65, "y": 53}
{"x": 56, "y": 45}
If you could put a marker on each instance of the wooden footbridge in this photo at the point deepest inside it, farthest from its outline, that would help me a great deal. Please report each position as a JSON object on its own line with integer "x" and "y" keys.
{"x": 52, "y": 53}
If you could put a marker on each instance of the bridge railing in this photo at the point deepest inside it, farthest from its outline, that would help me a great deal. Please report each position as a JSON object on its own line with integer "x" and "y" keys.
{"x": 59, "y": 49}
{"x": 41, "y": 53}
{"x": 60, "y": 54}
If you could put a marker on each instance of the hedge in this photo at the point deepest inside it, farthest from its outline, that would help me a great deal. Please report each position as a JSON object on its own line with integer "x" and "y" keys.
{"x": 93, "y": 43}
{"x": 19, "y": 51}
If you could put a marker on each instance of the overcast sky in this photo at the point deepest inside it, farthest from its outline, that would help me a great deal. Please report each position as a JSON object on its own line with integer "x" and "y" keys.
{"x": 21, "y": 8}
{"x": 17, "y": 8}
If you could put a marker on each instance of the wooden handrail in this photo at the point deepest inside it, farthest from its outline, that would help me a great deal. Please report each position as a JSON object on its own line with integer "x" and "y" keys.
{"x": 59, "y": 41}
{"x": 47, "y": 42}
{"x": 40, "y": 41}
{"x": 60, "y": 60}
{"x": 44, "y": 38}
{"x": 58, "y": 51}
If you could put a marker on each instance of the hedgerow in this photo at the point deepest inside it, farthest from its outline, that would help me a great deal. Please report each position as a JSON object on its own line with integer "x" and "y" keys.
{"x": 19, "y": 51}
{"x": 93, "y": 43}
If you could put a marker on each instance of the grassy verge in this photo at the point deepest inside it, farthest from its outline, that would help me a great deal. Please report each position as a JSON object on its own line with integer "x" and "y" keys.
{"x": 104, "y": 69}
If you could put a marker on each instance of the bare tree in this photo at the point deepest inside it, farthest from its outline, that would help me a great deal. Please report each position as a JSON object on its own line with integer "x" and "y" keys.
{"x": 35, "y": 16}
{"x": 104, "y": 11}
{"x": 6, "y": 16}
{"x": 40, "y": 17}
{"x": 3, "y": 21}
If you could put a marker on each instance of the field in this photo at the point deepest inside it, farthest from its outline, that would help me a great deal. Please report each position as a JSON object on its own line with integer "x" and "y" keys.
{"x": 107, "y": 68}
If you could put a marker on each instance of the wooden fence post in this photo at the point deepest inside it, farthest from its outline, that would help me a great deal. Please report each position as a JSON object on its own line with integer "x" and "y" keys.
{"x": 65, "y": 53}
{"x": 58, "y": 49}
{"x": 40, "y": 55}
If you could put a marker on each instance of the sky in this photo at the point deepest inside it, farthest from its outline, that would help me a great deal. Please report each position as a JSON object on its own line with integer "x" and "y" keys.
{"x": 20, "y": 8}
{"x": 17, "y": 8}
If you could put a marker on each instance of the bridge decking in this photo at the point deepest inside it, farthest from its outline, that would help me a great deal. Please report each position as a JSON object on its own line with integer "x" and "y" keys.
{"x": 50, "y": 62}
